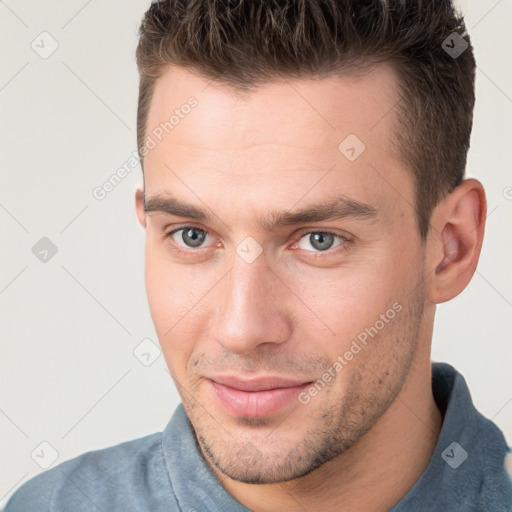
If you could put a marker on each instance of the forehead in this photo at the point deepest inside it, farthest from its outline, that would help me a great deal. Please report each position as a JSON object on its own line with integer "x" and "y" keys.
{"x": 309, "y": 107}
{"x": 282, "y": 136}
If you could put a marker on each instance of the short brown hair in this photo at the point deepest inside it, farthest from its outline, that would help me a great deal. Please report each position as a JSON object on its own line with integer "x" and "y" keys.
{"x": 245, "y": 43}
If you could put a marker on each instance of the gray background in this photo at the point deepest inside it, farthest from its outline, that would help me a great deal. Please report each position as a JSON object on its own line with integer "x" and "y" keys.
{"x": 70, "y": 325}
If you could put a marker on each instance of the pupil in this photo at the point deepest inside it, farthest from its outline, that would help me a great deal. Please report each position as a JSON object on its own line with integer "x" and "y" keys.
{"x": 193, "y": 237}
{"x": 321, "y": 241}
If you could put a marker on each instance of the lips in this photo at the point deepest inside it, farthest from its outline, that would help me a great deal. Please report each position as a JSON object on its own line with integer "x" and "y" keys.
{"x": 254, "y": 398}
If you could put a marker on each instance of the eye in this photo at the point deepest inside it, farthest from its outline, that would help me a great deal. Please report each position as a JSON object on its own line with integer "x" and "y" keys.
{"x": 320, "y": 241}
{"x": 189, "y": 236}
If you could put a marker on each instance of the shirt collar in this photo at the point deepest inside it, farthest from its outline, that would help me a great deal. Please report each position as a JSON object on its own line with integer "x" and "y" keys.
{"x": 469, "y": 452}
{"x": 195, "y": 485}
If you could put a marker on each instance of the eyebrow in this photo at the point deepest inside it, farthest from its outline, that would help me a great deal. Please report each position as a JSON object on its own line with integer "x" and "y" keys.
{"x": 340, "y": 208}
{"x": 172, "y": 206}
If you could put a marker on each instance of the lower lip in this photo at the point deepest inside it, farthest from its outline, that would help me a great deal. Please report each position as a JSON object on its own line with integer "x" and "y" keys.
{"x": 255, "y": 404}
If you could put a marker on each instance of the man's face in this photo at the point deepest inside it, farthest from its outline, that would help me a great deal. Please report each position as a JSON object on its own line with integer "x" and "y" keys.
{"x": 257, "y": 297}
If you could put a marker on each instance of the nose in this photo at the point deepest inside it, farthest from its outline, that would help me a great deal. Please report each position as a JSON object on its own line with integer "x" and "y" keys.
{"x": 251, "y": 308}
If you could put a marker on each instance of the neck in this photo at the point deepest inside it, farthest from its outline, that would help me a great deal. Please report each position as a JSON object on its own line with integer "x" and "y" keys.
{"x": 388, "y": 459}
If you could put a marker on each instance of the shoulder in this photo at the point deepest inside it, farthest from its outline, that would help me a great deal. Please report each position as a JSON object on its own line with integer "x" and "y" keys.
{"x": 95, "y": 479}
{"x": 494, "y": 460}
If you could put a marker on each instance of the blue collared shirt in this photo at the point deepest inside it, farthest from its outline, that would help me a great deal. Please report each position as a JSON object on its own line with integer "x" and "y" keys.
{"x": 166, "y": 472}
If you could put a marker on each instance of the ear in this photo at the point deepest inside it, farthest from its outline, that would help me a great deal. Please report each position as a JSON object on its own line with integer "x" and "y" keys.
{"x": 455, "y": 240}
{"x": 139, "y": 207}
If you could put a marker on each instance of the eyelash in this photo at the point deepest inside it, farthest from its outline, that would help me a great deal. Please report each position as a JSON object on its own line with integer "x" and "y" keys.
{"x": 315, "y": 254}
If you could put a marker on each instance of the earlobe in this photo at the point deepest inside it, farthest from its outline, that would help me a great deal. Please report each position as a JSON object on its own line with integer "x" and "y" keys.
{"x": 456, "y": 240}
{"x": 139, "y": 207}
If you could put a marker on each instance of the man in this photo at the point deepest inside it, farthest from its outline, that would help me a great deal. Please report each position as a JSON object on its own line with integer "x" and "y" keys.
{"x": 305, "y": 211}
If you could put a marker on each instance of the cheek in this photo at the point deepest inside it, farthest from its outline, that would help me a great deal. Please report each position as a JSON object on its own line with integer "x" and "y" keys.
{"x": 351, "y": 298}
{"x": 348, "y": 304}
{"x": 172, "y": 288}
{"x": 161, "y": 287}
{"x": 175, "y": 294}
